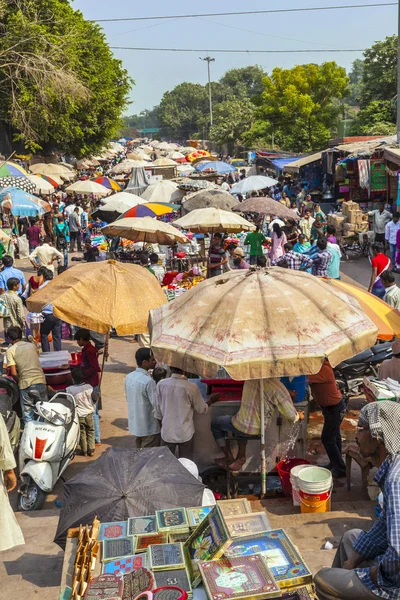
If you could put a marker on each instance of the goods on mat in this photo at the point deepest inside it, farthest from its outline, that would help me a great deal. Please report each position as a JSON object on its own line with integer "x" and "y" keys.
{"x": 105, "y": 587}
{"x": 173, "y": 520}
{"x": 142, "y": 525}
{"x": 196, "y": 514}
{"x": 375, "y": 389}
{"x": 230, "y": 508}
{"x": 350, "y": 223}
{"x": 85, "y": 559}
{"x": 240, "y": 525}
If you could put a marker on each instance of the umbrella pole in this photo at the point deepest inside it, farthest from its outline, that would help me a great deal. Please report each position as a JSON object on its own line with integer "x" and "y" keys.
{"x": 105, "y": 357}
{"x": 263, "y": 457}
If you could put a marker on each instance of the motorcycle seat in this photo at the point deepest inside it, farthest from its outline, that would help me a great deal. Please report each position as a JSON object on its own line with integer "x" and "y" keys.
{"x": 359, "y": 358}
{"x": 356, "y": 369}
{"x": 382, "y": 348}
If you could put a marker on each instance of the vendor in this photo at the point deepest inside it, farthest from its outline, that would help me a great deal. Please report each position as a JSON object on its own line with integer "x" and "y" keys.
{"x": 391, "y": 368}
{"x": 247, "y": 422}
{"x": 217, "y": 256}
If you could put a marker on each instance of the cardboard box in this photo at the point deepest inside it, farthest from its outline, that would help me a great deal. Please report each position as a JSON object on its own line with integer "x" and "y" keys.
{"x": 361, "y": 227}
{"x": 349, "y": 206}
{"x": 355, "y": 216}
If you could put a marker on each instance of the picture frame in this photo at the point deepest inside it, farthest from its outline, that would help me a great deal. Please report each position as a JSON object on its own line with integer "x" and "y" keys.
{"x": 117, "y": 548}
{"x": 196, "y": 514}
{"x": 112, "y": 530}
{"x": 231, "y": 508}
{"x": 173, "y": 577}
{"x": 139, "y": 525}
{"x": 174, "y": 538}
{"x": 143, "y": 541}
{"x": 124, "y": 565}
{"x": 247, "y": 524}
{"x": 166, "y": 556}
{"x": 172, "y": 520}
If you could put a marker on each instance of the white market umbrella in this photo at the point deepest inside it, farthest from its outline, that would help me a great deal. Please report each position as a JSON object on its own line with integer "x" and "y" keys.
{"x": 88, "y": 187}
{"x": 146, "y": 230}
{"x": 206, "y": 220}
{"x": 175, "y": 155}
{"x": 163, "y": 191}
{"x": 42, "y": 186}
{"x": 164, "y": 162}
{"x": 251, "y": 184}
{"x": 53, "y": 169}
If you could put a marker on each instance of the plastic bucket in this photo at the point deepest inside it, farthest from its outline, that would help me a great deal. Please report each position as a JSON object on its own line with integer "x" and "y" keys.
{"x": 315, "y": 485}
{"x": 295, "y": 483}
{"x": 284, "y": 467}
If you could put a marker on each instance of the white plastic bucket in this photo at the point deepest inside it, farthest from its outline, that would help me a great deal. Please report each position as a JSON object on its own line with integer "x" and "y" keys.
{"x": 295, "y": 483}
{"x": 315, "y": 489}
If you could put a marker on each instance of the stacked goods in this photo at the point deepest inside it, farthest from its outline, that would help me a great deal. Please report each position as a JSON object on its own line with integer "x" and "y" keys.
{"x": 352, "y": 222}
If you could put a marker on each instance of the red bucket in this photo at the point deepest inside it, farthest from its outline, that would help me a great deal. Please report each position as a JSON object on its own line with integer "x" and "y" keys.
{"x": 284, "y": 467}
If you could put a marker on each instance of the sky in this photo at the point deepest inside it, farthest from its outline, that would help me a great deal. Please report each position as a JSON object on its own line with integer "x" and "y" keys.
{"x": 157, "y": 72}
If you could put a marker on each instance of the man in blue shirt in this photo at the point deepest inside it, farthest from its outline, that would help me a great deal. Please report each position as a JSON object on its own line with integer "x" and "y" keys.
{"x": 10, "y": 271}
{"x": 367, "y": 563}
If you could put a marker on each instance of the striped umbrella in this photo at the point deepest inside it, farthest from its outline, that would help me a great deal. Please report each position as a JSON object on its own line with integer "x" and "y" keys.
{"x": 10, "y": 169}
{"x": 150, "y": 209}
{"x": 55, "y": 181}
{"x": 22, "y": 183}
{"x": 108, "y": 183}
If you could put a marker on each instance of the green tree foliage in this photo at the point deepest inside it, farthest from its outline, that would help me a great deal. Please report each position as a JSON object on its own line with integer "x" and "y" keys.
{"x": 299, "y": 105}
{"x": 232, "y": 119}
{"x": 377, "y": 118}
{"x": 246, "y": 82}
{"x": 380, "y": 71}
{"x": 60, "y": 85}
{"x": 182, "y": 108}
{"x": 147, "y": 119}
{"x": 356, "y": 82}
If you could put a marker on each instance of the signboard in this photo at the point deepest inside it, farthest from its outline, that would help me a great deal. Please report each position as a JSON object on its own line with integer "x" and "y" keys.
{"x": 150, "y": 130}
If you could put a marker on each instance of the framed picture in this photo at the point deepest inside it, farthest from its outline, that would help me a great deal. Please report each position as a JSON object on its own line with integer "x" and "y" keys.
{"x": 117, "y": 548}
{"x": 249, "y": 524}
{"x": 136, "y": 583}
{"x": 206, "y": 542}
{"x": 166, "y": 556}
{"x": 175, "y": 577}
{"x": 282, "y": 557}
{"x": 112, "y": 530}
{"x": 172, "y": 519}
{"x": 174, "y": 538}
{"x": 142, "y": 525}
{"x": 143, "y": 541}
{"x": 196, "y": 514}
{"x": 244, "y": 578}
{"x": 230, "y": 508}
{"x": 121, "y": 566}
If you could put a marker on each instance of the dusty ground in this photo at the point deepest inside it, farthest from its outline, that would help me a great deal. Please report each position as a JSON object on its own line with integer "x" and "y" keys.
{"x": 34, "y": 570}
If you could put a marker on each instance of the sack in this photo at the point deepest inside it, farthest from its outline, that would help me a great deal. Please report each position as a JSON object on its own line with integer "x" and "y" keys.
{"x": 61, "y": 239}
{"x": 4, "y": 312}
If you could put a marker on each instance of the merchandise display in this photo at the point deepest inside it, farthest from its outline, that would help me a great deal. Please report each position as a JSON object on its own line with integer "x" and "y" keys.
{"x": 230, "y": 508}
{"x": 166, "y": 556}
{"x": 118, "y": 547}
{"x": 173, "y": 520}
{"x": 112, "y": 530}
{"x": 142, "y": 525}
{"x": 143, "y": 541}
{"x": 240, "y": 525}
{"x": 196, "y": 514}
{"x": 121, "y": 566}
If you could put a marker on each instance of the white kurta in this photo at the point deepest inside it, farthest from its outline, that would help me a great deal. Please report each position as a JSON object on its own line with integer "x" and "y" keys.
{"x": 10, "y": 531}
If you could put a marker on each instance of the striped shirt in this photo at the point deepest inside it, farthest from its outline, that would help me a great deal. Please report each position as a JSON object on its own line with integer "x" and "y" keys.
{"x": 248, "y": 419}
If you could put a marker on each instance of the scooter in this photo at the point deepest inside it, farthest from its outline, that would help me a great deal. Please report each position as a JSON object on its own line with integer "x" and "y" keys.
{"x": 47, "y": 447}
{"x": 350, "y": 373}
{"x": 9, "y": 405}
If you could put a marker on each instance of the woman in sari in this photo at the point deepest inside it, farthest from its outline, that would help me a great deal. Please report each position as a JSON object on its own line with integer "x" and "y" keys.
{"x": 319, "y": 227}
{"x": 302, "y": 245}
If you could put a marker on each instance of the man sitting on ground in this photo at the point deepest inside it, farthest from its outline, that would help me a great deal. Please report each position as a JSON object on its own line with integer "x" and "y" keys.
{"x": 292, "y": 260}
{"x": 367, "y": 563}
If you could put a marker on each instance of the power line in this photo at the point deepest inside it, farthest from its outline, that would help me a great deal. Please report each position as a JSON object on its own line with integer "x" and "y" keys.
{"x": 249, "y": 12}
{"x": 238, "y": 51}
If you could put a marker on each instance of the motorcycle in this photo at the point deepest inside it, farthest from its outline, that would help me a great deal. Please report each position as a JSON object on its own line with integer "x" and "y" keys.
{"x": 10, "y": 409}
{"x": 47, "y": 447}
{"x": 350, "y": 373}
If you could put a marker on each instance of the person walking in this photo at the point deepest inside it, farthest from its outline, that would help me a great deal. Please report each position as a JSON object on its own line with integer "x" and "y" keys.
{"x": 33, "y": 234}
{"x": 45, "y": 255}
{"x": 82, "y": 393}
{"x": 51, "y": 323}
{"x": 140, "y": 392}
{"x": 13, "y": 303}
{"x": 255, "y": 239}
{"x": 91, "y": 369}
{"x": 10, "y": 531}
{"x": 292, "y": 260}
{"x": 327, "y": 395}
{"x": 75, "y": 230}
{"x": 391, "y": 230}
{"x": 62, "y": 235}
{"x": 367, "y": 563}
{"x": 278, "y": 241}
{"x": 380, "y": 263}
{"x": 322, "y": 260}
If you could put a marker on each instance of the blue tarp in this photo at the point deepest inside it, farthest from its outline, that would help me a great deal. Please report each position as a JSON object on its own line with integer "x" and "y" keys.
{"x": 280, "y": 163}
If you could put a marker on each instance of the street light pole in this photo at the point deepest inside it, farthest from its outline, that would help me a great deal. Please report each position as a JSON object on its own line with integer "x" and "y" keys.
{"x": 209, "y": 60}
{"x": 398, "y": 74}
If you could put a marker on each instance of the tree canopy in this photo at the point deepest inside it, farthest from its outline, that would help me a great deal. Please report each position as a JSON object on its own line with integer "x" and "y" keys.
{"x": 60, "y": 85}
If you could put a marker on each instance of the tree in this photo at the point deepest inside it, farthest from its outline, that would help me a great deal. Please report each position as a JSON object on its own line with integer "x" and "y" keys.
{"x": 60, "y": 85}
{"x": 356, "y": 82}
{"x": 245, "y": 82}
{"x": 377, "y": 118}
{"x": 299, "y": 105}
{"x": 380, "y": 71}
{"x": 182, "y": 108}
{"x": 232, "y": 119}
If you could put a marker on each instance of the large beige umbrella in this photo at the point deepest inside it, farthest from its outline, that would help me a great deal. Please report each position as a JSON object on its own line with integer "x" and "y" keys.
{"x": 206, "y": 198}
{"x": 88, "y": 187}
{"x": 164, "y": 162}
{"x": 52, "y": 169}
{"x": 42, "y": 186}
{"x": 126, "y": 166}
{"x": 259, "y": 324}
{"x": 102, "y": 295}
{"x": 206, "y": 220}
{"x": 146, "y": 230}
{"x": 163, "y": 191}
{"x": 265, "y": 206}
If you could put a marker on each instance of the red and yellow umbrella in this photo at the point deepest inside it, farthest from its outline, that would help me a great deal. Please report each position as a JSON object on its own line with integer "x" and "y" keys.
{"x": 108, "y": 183}
{"x": 384, "y": 316}
{"x": 55, "y": 183}
{"x": 150, "y": 209}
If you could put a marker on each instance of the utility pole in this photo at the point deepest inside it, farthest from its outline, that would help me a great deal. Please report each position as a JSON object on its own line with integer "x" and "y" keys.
{"x": 209, "y": 60}
{"x": 398, "y": 75}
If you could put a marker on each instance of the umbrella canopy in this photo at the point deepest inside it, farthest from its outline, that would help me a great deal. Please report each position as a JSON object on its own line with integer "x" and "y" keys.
{"x": 185, "y": 168}
{"x": 216, "y": 166}
{"x": 385, "y": 317}
{"x": 265, "y": 206}
{"x": 88, "y": 187}
{"x": 165, "y": 146}
{"x": 116, "y": 206}
{"x": 163, "y": 191}
{"x": 205, "y": 220}
{"x": 55, "y": 180}
{"x": 126, "y": 166}
{"x": 138, "y": 156}
{"x": 11, "y": 169}
{"x": 124, "y": 295}
{"x": 145, "y": 229}
{"x": 177, "y": 156}
{"x": 196, "y": 184}
{"x": 53, "y": 169}
{"x": 250, "y": 184}
{"x": 164, "y": 162}
{"x": 41, "y": 186}
{"x": 23, "y": 183}
{"x": 258, "y": 324}
{"x": 21, "y": 203}
{"x": 150, "y": 209}
{"x": 209, "y": 198}
{"x": 108, "y": 183}
{"x": 126, "y": 483}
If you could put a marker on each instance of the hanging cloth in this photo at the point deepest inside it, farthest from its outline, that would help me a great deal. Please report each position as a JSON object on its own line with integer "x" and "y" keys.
{"x": 364, "y": 172}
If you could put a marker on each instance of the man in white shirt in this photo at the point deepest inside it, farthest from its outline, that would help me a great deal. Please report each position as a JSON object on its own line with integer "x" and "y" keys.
{"x": 392, "y": 291}
{"x": 177, "y": 401}
{"x": 45, "y": 255}
{"x": 306, "y": 224}
{"x": 391, "y": 230}
{"x": 380, "y": 218}
{"x": 159, "y": 270}
{"x": 140, "y": 392}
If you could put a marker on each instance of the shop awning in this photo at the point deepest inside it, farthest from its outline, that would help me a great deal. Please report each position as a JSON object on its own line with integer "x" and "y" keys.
{"x": 295, "y": 166}
{"x": 282, "y": 163}
{"x": 392, "y": 154}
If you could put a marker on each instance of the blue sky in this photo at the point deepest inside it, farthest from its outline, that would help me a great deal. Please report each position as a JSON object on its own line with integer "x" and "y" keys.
{"x": 157, "y": 72}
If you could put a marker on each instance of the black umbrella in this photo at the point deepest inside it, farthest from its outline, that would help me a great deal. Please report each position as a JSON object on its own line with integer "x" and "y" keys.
{"x": 20, "y": 182}
{"x": 127, "y": 483}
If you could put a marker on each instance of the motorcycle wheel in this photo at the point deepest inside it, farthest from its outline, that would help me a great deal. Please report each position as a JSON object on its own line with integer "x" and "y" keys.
{"x": 34, "y": 499}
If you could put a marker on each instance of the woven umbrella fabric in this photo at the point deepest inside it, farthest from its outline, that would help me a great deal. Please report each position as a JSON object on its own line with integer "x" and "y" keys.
{"x": 260, "y": 323}
{"x": 265, "y": 206}
{"x": 145, "y": 229}
{"x": 208, "y": 199}
{"x": 23, "y": 183}
{"x": 11, "y": 169}
{"x": 205, "y": 220}
{"x": 102, "y": 295}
